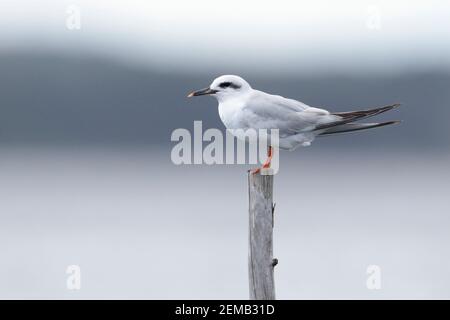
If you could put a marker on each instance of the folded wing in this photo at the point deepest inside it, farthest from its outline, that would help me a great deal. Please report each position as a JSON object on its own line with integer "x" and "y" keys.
{"x": 351, "y": 116}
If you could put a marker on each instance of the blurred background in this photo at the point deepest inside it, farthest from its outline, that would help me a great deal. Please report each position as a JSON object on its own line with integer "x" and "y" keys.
{"x": 92, "y": 90}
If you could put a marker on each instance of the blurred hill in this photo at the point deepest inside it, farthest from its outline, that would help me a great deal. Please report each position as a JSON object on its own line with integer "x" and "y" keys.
{"x": 59, "y": 99}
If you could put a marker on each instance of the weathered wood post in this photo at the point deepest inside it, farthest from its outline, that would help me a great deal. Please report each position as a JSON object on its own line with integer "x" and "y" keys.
{"x": 260, "y": 257}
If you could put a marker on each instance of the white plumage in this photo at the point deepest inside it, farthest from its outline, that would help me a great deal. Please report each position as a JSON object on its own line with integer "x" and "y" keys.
{"x": 242, "y": 107}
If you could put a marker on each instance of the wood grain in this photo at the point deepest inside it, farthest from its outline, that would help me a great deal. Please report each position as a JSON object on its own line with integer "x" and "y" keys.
{"x": 260, "y": 259}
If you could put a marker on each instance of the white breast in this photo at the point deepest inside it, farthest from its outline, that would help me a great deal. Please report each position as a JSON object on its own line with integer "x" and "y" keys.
{"x": 231, "y": 113}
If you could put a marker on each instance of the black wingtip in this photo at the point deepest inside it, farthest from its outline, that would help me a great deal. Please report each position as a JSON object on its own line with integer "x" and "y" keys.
{"x": 352, "y": 116}
{"x": 386, "y": 108}
{"x": 393, "y": 122}
{"x": 338, "y": 130}
{"x": 387, "y": 123}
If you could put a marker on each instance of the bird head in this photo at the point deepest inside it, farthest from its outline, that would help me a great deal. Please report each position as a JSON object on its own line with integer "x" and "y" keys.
{"x": 223, "y": 87}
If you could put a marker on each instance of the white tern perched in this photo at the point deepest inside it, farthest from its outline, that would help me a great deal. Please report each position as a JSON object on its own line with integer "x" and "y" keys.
{"x": 242, "y": 107}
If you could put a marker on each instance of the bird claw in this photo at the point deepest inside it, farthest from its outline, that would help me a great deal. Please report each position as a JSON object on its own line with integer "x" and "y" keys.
{"x": 258, "y": 170}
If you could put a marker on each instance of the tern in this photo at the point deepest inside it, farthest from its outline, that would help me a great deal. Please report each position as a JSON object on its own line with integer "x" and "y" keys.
{"x": 242, "y": 107}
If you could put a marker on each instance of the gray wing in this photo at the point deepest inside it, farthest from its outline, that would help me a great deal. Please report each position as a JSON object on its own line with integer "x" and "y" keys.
{"x": 350, "y": 116}
{"x": 265, "y": 111}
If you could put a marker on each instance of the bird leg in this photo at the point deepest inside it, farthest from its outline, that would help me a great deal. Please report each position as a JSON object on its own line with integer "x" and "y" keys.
{"x": 269, "y": 157}
{"x": 267, "y": 163}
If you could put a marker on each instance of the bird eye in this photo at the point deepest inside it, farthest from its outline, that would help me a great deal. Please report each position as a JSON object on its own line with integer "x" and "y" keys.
{"x": 229, "y": 84}
{"x": 225, "y": 84}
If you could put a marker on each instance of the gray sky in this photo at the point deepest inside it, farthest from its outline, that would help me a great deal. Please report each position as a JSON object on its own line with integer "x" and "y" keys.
{"x": 314, "y": 36}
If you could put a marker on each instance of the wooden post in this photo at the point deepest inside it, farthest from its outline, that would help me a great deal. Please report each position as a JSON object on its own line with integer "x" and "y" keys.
{"x": 260, "y": 256}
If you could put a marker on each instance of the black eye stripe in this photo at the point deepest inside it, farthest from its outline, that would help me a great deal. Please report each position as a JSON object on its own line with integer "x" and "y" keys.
{"x": 229, "y": 84}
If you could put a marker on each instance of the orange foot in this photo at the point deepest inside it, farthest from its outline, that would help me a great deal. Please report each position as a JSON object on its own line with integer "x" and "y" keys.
{"x": 266, "y": 164}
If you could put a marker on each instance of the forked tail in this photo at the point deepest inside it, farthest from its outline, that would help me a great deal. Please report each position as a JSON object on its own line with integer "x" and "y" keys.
{"x": 345, "y": 122}
{"x": 349, "y": 127}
